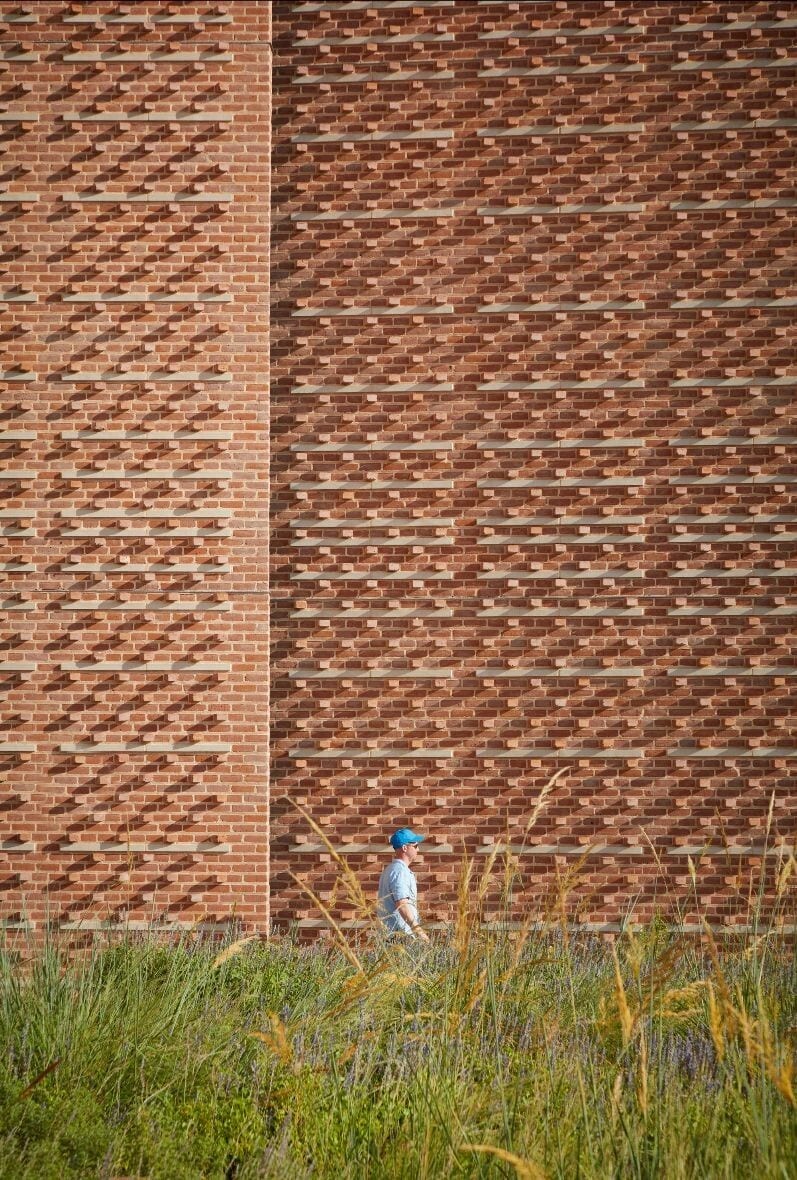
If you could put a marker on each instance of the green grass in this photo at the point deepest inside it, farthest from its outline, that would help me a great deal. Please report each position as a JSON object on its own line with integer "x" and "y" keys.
{"x": 667, "y": 1059}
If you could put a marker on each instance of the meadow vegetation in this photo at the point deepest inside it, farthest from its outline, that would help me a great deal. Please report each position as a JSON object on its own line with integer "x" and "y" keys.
{"x": 522, "y": 1051}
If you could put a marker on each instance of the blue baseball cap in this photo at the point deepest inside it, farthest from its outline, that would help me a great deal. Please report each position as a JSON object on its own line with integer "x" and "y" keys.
{"x": 404, "y": 836}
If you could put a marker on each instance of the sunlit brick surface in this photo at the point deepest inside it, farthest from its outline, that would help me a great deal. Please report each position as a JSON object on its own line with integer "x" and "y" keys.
{"x": 134, "y": 202}
{"x": 533, "y": 423}
{"x": 534, "y": 429}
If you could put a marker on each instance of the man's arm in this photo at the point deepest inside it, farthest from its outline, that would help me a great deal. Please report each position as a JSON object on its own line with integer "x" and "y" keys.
{"x": 404, "y": 908}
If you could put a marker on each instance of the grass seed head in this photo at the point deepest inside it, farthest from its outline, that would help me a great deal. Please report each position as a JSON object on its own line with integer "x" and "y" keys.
{"x": 524, "y": 1169}
{"x": 624, "y": 1012}
{"x": 232, "y": 950}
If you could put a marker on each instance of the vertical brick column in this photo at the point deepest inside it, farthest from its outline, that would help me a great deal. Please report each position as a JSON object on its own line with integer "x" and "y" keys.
{"x": 533, "y": 445}
{"x": 134, "y": 381}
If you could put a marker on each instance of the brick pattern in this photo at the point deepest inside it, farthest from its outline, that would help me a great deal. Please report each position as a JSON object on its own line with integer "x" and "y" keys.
{"x": 534, "y": 420}
{"x": 134, "y": 376}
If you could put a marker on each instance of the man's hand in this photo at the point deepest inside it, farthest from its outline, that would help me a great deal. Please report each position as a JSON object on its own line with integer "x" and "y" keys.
{"x": 406, "y": 911}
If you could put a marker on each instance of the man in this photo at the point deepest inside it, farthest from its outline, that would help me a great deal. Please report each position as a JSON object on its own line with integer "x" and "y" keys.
{"x": 397, "y": 904}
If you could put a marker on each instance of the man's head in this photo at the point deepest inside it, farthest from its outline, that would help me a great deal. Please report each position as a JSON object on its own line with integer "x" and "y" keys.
{"x": 404, "y": 843}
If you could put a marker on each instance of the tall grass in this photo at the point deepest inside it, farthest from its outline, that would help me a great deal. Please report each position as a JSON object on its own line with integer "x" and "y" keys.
{"x": 527, "y": 1052}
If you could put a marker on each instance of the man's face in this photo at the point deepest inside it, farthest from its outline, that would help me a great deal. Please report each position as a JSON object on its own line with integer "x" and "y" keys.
{"x": 411, "y": 852}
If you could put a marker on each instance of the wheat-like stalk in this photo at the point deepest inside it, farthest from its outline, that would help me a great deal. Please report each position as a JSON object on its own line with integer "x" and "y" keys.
{"x": 542, "y": 798}
{"x": 681, "y": 1003}
{"x": 617, "y": 1094}
{"x": 715, "y": 1024}
{"x": 785, "y": 870}
{"x": 353, "y": 888}
{"x": 340, "y": 937}
{"x": 624, "y": 1012}
{"x": 232, "y": 950}
{"x": 524, "y": 1169}
{"x": 278, "y": 1041}
{"x": 780, "y": 1072}
{"x": 463, "y": 921}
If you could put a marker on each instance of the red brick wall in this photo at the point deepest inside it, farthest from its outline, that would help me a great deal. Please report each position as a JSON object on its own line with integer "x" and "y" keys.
{"x": 533, "y": 444}
{"x": 134, "y": 201}
{"x": 533, "y": 441}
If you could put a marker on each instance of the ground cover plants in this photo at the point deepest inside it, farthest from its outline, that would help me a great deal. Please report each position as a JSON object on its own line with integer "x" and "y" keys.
{"x": 499, "y": 1050}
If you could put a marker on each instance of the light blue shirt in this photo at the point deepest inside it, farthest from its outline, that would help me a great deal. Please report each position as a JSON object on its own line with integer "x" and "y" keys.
{"x": 397, "y": 883}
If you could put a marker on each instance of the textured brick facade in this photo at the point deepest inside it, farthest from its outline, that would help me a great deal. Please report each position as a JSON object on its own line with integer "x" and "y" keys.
{"x": 532, "y": 421}
{"x": 135, "y": 186}
{"x": 534, "y": 425}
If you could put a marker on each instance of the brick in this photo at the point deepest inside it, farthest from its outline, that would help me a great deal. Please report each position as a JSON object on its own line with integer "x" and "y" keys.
{"x": 526, "y": 501}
